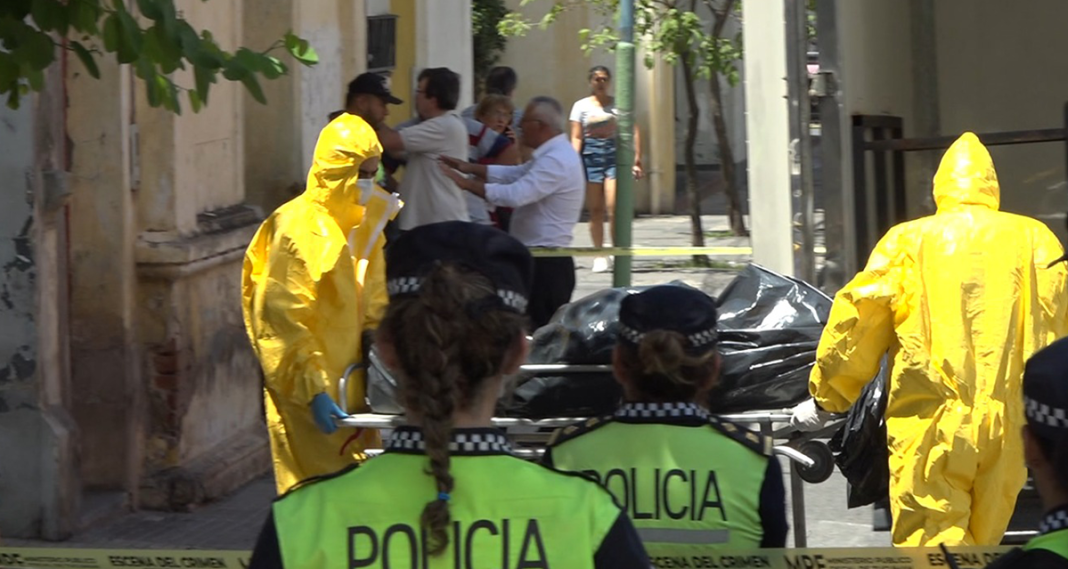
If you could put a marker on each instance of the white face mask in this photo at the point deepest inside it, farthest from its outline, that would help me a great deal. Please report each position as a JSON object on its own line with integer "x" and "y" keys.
{"x": 367, "y": 188}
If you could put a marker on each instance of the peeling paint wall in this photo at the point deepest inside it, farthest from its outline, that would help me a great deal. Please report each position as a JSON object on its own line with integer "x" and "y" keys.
{"x": 20, "y": 494}
{"x": 39, "y": 492}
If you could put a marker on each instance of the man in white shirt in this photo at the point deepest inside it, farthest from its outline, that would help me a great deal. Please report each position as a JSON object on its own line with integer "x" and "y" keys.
{"x": 547, "y": 193}
{"x": 430, "y": 196}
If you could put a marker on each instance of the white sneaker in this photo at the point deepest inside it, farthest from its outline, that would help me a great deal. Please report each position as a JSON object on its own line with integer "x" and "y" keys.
{"x": 600, "y": 264}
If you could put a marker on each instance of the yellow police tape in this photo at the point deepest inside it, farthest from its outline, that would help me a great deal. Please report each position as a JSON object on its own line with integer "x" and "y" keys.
{"x": 647, "y": 251}
{"x": 816, "y": 558}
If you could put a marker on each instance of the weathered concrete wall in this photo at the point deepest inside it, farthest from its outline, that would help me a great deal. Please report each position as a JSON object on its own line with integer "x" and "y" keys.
{"x": 279, "y": 137}
{"x": 273, "y": 164}
{"x": 38, "y": 481}
{"x": 104, "y": 374}
{"x": 200, "y": 380}
{"x": 205, "y": 430}
{"x": 20, "y": 419}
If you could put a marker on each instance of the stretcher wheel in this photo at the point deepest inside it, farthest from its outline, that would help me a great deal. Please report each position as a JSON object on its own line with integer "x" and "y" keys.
{"x": 824, "y": 459}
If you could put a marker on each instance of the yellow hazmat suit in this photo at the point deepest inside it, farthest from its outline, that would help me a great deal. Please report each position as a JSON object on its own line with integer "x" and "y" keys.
{"x": 960, "y": 299}
{"x": 313, "y": 281}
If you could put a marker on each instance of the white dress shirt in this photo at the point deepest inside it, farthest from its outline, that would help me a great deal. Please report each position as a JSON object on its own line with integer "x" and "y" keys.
{"x": 547, "y": 193}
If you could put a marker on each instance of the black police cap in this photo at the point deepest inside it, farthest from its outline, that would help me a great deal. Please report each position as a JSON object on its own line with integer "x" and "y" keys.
{"x": 681, "y": 309}
{"x": 373, "y": 84}
{"x": 1045, "y": 388}
{"x": 481, "y": 248}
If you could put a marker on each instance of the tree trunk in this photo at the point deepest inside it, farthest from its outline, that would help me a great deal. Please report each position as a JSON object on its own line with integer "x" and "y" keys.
{"x": 726, "y": 158}
{"x": 691, "y": 161}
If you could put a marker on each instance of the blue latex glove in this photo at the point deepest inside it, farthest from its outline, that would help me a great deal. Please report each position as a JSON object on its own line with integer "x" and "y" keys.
{"x": 324, "y": 411}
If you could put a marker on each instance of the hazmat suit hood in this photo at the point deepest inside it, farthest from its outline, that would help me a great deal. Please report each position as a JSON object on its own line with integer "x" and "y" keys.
{"x": 966, "y": 176}
{"x": 332, "y": 180}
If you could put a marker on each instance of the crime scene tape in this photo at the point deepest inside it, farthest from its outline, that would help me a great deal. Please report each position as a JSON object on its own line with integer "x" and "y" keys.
{"x": 646, "y": 251}
{"x": 814, "y": 558}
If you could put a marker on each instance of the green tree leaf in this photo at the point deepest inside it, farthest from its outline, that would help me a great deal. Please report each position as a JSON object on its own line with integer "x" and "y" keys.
{"x": 194, "y": 101}
{"x": 36, "y": 48}
{"x": 35, "y": 77}
{"x": 130, "y": 37}
{"x": 84, "y": 15}
{"x": 111, "y": 33}
{"x": 150, "y": 9}
{"x": 234, "y": 70}
{"x": 152, "y": 91}
{"x": 9, "y": 73}
{"x": 204, "y": 78}
{"x": 301, "y": 50}
{"x": 165, "y": 49}
{"x": 49, "y": 15}
{"x": 165, "y": 44}
{"x": 171, "y": 101}
{"x": 86, "y": 58}
{"x": 16, "y": 9}
{"x": 253, "y": 86}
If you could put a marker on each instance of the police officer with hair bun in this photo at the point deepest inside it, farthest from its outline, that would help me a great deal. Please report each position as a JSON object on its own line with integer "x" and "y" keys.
{"x": 1045, "y": 438}
{"x": 693, "y": 484}
{"x": 448, "y": 492}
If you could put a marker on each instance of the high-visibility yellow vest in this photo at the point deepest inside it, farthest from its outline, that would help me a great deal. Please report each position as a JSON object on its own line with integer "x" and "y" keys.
{"x": 506, "y": 512}
{"x": 690, "y": 482}
{"x": 1055, "y": 542}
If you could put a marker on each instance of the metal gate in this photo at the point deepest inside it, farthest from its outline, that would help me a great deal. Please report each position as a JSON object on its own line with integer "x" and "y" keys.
{"x": 879, "y": 194}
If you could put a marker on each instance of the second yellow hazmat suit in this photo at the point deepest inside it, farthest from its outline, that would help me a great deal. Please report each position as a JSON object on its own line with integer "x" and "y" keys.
{"x": 313, "y": 281}
{"x": 960, "y": 299}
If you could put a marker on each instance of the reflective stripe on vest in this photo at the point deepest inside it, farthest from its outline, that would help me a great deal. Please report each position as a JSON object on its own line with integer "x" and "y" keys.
{"x": 689, "y": 489}
{"x": 505, "y": 512}
{"x": 1056, "y": 542}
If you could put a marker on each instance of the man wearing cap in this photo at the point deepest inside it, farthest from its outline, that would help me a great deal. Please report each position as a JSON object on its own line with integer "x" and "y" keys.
{"x": 369, "y": 97}
{"x": 313, "y": 283}
{"x": 547, "y": 193}
{"x": 958, "y": 300}
{"x": 1045, "y": 439}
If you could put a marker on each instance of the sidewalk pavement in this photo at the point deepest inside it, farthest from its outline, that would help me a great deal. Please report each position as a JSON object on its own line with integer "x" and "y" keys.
{"x": 234, "y": 522}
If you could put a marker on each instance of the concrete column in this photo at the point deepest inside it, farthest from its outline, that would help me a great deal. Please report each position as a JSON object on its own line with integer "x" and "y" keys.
{"x": 352, "y": 18}
{"x": 443, "y": 33}
{"x": 768, "y": 128}
{"x": 274, "y": 163}
{"x": 105, "y": 375}
{"x": 321, "y": 88}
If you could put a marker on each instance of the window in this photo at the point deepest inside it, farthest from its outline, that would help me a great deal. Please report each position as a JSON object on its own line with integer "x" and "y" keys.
{"x": 381, "y": 42}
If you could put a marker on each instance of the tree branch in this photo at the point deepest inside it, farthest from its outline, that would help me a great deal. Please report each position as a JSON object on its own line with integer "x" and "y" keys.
{"x": 721, "y": 18}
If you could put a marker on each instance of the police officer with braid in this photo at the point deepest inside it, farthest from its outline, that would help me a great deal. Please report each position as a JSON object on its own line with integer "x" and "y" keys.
{"x": 447, "y": 492}
{"x": 692, "y": 483}
{"x": 1045, "y": 438}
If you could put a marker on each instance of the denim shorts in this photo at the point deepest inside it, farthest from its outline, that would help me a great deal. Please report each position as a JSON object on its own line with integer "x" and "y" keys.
{"x": 599, "y": 158}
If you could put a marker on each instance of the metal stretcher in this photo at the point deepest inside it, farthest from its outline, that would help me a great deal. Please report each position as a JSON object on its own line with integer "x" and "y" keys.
{"x": 810, "y": 459}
